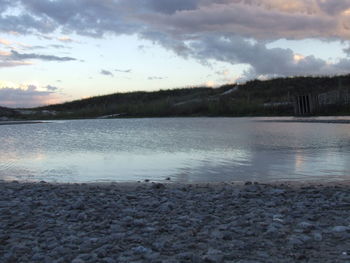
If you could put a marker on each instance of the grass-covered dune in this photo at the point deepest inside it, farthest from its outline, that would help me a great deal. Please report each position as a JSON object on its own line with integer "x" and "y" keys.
{"x": 8, "y": 114}
{"x": 247, "y": 99}
{"x": 255, "y": 98}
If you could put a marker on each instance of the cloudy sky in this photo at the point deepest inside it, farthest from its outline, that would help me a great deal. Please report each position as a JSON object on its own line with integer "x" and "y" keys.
{"x": 59, "y": 50}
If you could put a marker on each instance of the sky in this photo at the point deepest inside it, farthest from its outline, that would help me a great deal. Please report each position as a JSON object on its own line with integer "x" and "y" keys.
{"x": 53, "y": 51}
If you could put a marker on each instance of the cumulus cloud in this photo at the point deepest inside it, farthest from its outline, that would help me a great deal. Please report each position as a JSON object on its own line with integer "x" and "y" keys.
{"x": 28, "y": 96}
{"x": 204, "y": 29}
{"x": 106, "y": 73}
{"x": 264, "y": 61}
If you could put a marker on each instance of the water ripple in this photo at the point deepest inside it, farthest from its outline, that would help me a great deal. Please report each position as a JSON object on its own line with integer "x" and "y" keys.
{"x": 187, "y": 149}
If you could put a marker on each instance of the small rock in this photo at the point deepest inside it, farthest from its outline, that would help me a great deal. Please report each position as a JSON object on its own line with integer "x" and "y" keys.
{"x": 79, "y": 205}
{"x": 276, "y": 191}
{"x": 166, "y": 207}
{"x": 82, "y": 216}
{"x": 306, "y": 226}
{"x": 158, "y": 186}
{"x": 340, "y": 232}
{"x": 213, "y": 255}
{"x": 278, "y": 218}
{"x": 141, "y": 250}
{"x": 340, "y": 229}
{"x": 38, "y": 257}
{"x": 131, "y": 197}
{"x": 108, "y": 260}
{"x": 185, "y": 256}
{"x": 317, "y": 236}
{"x": 139, "y": 222}
{"x": 216, "y": 234}
{"x": 78, "y": 260}
{"x": 274, "y": 229}
{"x": 298, "y": 240}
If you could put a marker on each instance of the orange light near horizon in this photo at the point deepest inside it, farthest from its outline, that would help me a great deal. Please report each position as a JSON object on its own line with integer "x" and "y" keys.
{"x": 346, "y": 12}
{"x": 35, "y": 102}
{"x": 5, "y": 42}
{"x": 5, "y": 53}
{"x": 210, "y": 83}
{"x": 298, "y": 57}
{"x": 65, "y": 39}
{"x": 49, "y": 101}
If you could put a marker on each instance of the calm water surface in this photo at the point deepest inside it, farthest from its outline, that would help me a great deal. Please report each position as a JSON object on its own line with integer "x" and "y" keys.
{"x": 184, "y": 149}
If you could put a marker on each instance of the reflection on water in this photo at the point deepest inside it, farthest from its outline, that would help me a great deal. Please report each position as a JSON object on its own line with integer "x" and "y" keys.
{"x": 185, "y": 149}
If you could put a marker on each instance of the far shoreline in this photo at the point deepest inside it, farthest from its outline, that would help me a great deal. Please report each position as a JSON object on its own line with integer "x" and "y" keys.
{"x": 22, "y": 122}
{"x": 282, "y": 119}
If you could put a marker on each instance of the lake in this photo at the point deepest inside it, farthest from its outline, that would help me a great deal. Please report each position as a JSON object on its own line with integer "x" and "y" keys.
{"x": 182, "y": 149}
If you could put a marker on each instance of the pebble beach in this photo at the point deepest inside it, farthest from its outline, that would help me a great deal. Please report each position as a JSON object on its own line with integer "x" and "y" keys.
{"x": 154, "y": 222}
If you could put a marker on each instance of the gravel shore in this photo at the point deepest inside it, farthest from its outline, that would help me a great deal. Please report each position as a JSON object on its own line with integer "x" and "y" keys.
{"x": 150, "y": 222}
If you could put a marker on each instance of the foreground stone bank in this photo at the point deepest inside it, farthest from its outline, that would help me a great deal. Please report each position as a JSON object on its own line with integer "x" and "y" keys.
{"x": 174, "y": 223}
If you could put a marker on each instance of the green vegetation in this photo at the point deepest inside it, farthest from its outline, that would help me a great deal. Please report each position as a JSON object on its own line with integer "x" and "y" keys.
{"x": 254, "y": 98}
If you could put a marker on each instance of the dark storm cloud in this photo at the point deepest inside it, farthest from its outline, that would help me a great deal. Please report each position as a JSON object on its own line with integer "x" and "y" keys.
{"x": 203, "y": 29}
